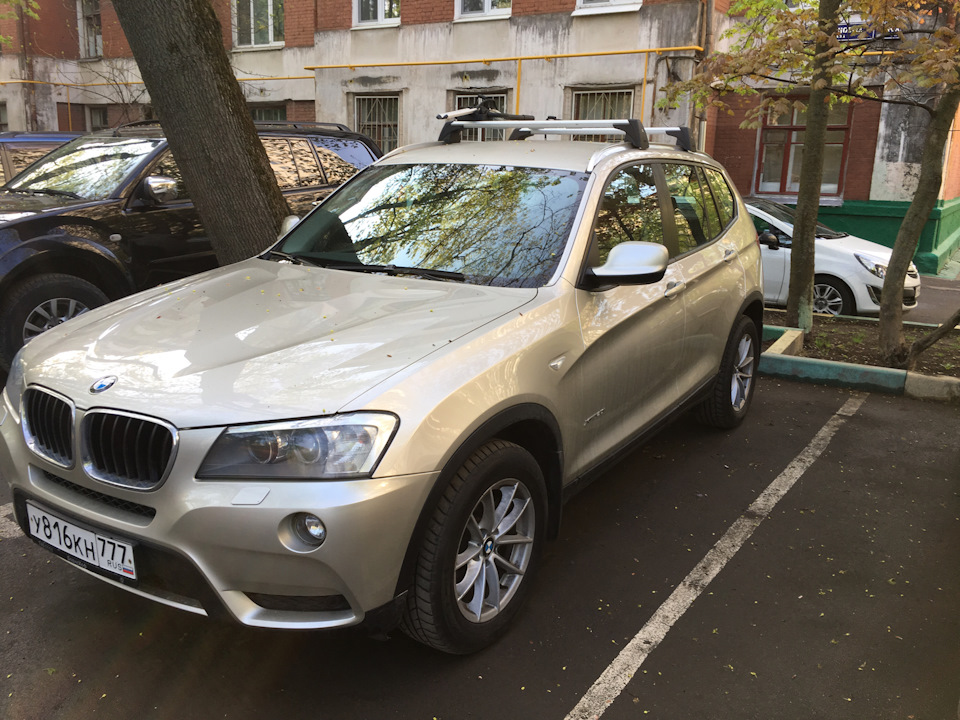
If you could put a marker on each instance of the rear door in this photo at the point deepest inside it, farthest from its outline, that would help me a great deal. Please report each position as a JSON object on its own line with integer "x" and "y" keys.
{"x": 711, "y": 272}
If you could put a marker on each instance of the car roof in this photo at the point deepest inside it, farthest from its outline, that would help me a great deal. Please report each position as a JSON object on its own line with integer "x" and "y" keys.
{"x": 577, "y": 156}
{"x": 39, "y": 135}
{"x": 152, "y": 128}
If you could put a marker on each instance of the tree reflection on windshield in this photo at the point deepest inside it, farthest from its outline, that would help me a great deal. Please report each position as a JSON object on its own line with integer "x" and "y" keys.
{"x": 502, "y": 225}
{"x": 89, "y": 168}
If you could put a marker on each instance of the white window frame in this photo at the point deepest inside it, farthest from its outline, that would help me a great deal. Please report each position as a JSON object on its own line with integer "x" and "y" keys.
{"x": 604, "y": 7}
{"x": 487, "y": 13}
{"x": 380, "y": 20}
{"x": 360, "y": 127}
{"x": 90, "y": 34}
{"x": 272, "y": 42}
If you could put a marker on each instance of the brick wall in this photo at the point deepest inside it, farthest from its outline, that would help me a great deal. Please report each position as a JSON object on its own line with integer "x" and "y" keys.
{"x": 299, "y": 22}
{"x": 301, "y": 111}
{"x": 864, "y": 129}
{"x": 539, "y": 7}
{"x": 336, "y": 14}
{"x": 55, "y": 32}
{"x": 417, "y": 12}
{"x": 733, "y": 147}
{"x": 951, "y": 179}
{"x": 115, "y": 43}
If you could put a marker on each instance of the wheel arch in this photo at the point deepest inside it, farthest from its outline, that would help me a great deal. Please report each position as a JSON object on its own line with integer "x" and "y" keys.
{"x": 531, "y": 427}
{"x": 70, "y": 256}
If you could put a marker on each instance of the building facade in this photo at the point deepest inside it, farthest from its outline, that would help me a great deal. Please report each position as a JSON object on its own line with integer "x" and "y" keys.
{"x": 387, "y": 69}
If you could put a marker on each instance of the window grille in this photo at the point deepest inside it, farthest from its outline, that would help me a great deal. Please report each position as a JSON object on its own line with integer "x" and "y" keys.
{"x": 602, "y": 105}
{"x": 378, "y": 117}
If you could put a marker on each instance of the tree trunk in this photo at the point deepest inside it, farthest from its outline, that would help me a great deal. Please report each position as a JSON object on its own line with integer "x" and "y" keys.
{"x": 894, "y": 351}
{"x": 800, "y": 298}
{"x": 178, "y": 45}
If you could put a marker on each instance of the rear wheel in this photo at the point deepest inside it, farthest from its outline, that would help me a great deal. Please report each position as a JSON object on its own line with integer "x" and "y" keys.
{"x": 479, "y": 552}
{"x": 40, "y": 303}
{"x": 732, "y": 393}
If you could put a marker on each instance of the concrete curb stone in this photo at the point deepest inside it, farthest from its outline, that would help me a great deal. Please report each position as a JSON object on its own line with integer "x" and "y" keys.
{"x": 779, "y": 361}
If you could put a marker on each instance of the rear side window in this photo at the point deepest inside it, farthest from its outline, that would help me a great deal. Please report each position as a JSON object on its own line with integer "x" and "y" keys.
{"x": 629, "y": 211}
{"x": 293, "y": 162}
{"x": 695, "y": 214}
{"x": 721, "y": 194}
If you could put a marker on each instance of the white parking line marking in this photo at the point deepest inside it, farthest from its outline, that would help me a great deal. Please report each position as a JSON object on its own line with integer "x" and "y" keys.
{"x": 8, "y": 528}
{"x": 615, "y": 678}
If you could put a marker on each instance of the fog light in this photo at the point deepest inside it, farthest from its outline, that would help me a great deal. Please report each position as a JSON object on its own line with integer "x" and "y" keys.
{"x": 309, "y": 529}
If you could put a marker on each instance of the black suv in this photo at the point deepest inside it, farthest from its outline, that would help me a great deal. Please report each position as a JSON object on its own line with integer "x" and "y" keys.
{"x": 108, "y": 214}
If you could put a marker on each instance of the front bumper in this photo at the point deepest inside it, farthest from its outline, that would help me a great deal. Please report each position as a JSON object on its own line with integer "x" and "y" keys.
{"x": 204, "y": 546}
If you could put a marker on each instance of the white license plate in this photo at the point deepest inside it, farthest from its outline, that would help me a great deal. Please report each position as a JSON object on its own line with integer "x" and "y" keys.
{"x": 108, "y": 553}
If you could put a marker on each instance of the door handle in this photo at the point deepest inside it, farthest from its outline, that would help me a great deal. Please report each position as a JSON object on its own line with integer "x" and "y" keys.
{"x": 674, "y": 288}
{"x": 729, "y": 254}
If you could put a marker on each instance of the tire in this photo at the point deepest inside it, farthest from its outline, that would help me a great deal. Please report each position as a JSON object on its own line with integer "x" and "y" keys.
{"x": 832, "y": 297}
{"x": 450, "y": 606}
{"x": 733, "y": 390}
{"x": 40, "y": 303}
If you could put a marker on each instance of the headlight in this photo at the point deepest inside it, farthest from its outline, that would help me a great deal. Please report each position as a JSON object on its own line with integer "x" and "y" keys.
{"x": 15, "y": 386}
{"x": 872, "y": 265}
{"x": 342, "y": 446}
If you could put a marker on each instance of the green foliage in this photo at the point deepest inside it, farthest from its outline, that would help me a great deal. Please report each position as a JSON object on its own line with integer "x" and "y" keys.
{"x": 911, "y": 47}
{"x": 9, "y": 9}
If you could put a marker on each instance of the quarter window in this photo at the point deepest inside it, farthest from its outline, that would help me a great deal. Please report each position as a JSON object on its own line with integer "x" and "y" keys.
{"x": 293, "y": 162}
{"x": 781, "y": 151}
{"x": 88, "y": 24}
{"x": 258, "y": 22}
{"x": 629, "y": 211}
{"x": 721, "y": 194}
{"x": 378, "y": 117}
{"x": 380, "y": 12}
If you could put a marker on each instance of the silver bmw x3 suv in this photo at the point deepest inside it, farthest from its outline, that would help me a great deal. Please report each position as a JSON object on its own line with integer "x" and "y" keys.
{"x": 379, "y": 418}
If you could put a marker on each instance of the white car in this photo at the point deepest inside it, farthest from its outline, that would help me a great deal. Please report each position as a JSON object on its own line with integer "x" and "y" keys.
{"x": 848, "y": 271}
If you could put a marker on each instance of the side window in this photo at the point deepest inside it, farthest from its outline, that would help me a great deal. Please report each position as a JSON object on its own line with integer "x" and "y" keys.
{"x": 338, "y": 170}
{"x": 282, "y": 162}
{"x": 721, "y": 193}
{"x": 168, "y": 166}
{"x": 307, "y": 167}
{"x": 629, "y": 211}
{"x": 694, "y": 212}
{"x": 25, "y": 154}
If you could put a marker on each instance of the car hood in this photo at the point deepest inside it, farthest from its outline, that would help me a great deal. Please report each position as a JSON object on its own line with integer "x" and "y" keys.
{"x": 854, "y": 244}
{"x": 258, "y": 341}
{"x": 14, "y": 206}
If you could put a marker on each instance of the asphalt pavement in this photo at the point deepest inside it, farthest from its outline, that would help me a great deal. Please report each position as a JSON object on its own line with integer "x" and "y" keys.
{"x": 802, "y": 566}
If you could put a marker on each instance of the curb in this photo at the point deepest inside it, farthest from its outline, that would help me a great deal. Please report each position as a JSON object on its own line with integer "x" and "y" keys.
{"x": 779, "y": 361}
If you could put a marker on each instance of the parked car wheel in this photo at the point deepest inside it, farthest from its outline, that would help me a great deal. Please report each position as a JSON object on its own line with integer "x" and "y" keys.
{"x": 831, "y": 297}
{"x": 481, "y": 546}
{"x": 733, "y": 391}
{"x": 40, "y": 303}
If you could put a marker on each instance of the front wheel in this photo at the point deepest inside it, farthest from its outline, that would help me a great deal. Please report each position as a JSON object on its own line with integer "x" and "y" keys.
{"x": 732, "y": 393}
{"x": 831, "y": 297}
{"x": 479, "y": 551}
{"x": 40, "y": 303}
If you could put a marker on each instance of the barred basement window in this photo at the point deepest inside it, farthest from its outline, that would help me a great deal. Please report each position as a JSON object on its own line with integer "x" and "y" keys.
{"x": 466, "y": 101}
{"x": 602, "y": 105}
{"x": 258, "y": 22}
{"x": 378, "y": 117}
{"x": 276, "y": 113}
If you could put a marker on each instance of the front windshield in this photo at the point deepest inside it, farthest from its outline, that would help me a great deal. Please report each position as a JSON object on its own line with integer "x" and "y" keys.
{"x": 786, "y": 215}
{"x": 496, "y": 225}
{"x": 88, "y": 168}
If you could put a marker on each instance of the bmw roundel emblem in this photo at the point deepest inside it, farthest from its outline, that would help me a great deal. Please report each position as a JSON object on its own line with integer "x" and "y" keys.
{"x": 104, "y": 383}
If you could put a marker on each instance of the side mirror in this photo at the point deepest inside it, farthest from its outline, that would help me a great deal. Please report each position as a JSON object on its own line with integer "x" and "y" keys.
{"x": 160, "y": 189}
{"x": 629, "y": 263}
{"x": 770, "y": 240}
{"x": 288, "y": 224}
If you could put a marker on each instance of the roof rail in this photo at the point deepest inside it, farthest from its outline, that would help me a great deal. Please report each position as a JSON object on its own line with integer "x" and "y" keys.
{"x": 135, "y": 124}
{"x": 524, "y": 126}
{"x": 297, "y": 125}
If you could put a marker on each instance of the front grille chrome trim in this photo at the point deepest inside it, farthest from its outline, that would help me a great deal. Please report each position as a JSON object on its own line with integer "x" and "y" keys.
{"x": 127, "y": 450}
{"x": 48, "y": 420}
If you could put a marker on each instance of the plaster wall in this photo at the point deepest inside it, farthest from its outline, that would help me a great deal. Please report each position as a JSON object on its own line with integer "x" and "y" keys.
{"x": 896, "y": 167}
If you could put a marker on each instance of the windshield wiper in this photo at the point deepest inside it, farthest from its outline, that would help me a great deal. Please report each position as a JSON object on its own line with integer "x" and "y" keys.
{"x": 44, "y": 191}
{"x": 294, "y": 259}
{"x": 428, "y": 273}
